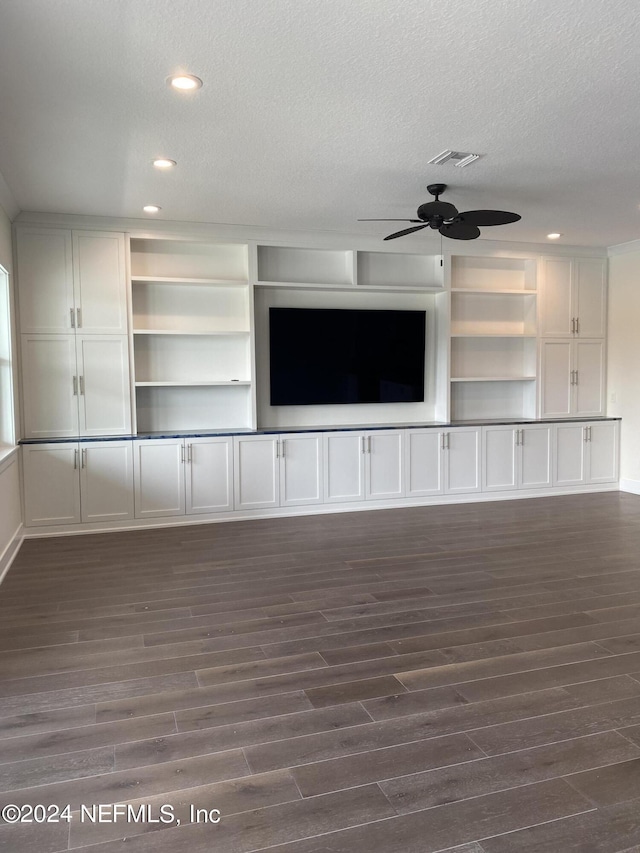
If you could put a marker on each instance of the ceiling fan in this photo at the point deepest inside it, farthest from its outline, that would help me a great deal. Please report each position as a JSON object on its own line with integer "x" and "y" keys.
{"x": 444, "y": 217}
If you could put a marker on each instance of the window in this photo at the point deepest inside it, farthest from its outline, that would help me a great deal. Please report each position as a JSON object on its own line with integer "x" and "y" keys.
{"x": 7, "y": 420}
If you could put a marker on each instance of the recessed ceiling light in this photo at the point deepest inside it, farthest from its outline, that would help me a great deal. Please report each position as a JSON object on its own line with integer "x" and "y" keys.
{"x": 555, "y": 236}
{"x": 151, "y": 208}
{"x": 185, "y": 82}
{"x": 164, "y": 163}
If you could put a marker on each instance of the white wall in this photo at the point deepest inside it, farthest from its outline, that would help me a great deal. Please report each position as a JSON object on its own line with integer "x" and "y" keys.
{"x": 623, "y": 371}
{"x": 10, "y": 504}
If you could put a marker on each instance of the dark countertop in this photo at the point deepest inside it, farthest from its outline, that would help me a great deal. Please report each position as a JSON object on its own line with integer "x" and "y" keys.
{"x": 279, "y": 430}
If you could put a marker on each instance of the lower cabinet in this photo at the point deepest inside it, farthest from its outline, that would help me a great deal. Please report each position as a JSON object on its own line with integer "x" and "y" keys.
{"x": 516, "y": 457}
{"x": 443, "y": 461}
{"x": 69, "y": 483}
{"x": 278, "y": 470}
{"x": 174, "y": 476}
{"x": 363, "y": 466}
{"x": 586, "y": 453}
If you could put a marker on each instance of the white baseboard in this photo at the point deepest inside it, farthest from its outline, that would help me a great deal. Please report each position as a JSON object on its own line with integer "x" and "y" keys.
{"x": 632, "y": 486}
{"x": 10, "y": 552}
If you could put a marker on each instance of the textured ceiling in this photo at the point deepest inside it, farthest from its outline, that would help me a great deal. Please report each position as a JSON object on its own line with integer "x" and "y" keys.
{"x": 317, "y": 112}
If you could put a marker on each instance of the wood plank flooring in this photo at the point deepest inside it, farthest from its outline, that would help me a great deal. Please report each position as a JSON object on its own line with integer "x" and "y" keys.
{"x": 462, "y": 678}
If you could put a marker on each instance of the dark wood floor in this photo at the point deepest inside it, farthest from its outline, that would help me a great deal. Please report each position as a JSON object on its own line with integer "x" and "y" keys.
{"x": 400, "y": 681}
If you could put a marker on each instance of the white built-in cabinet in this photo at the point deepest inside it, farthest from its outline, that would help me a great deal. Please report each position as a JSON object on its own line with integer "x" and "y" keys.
{"x": 573, "y": 328}
{"x": 516, "y": 457}
{"x": 176, "y": 476}
{"x": 72, "y": 299}
{"x": 278, "y": 470}
{"x": 574, "y": 298}
{"x": 363, "y": 465}
{"x": 573, "y": 377}
{"x": 443, "y": 462}
{"x": 68, "y": 483}
{"x": 585, "y": 453}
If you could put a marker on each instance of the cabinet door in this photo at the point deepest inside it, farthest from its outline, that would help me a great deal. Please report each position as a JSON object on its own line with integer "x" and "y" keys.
{"x": 556, "y": 390}
{"x": 158, "y": 466}
{"x": 344, "y": 467}
{"x": 106, "y": 480}
{"x": 256, "y": 471}
{"x": 589, "y": 389}
{"x": 209, "y": 473}
{"x": 569, "y": 456}
{"x": 50, "y": 386}
{"x": 557, "y": 304}
{"x": 45, "y": 280}
{"x": 603, "y": 452}
{"x": 51, "y": 484}
{"x": 103, "y": 369}
{"x": 384, "y": 465}
{"x": 100, "y": 282}
{"x": 423, "y": 463}
{"x": 591, "y": 297}
{"x": 462, "y": 461}
{"x": 535, "y": 457}
{"x": 499, "y": 468}
{"x": 300, "y": 469}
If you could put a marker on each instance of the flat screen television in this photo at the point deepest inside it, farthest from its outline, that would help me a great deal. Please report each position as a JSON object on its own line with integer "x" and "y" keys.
{"x": 334, "y": 355}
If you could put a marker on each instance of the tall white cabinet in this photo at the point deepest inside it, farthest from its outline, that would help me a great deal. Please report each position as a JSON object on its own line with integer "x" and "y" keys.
{"x": 573, "y": 328}
{"x": 72, "y": 301}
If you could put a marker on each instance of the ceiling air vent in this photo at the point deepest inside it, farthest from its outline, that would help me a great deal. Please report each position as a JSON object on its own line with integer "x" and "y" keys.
{"x": 457, "y": 158}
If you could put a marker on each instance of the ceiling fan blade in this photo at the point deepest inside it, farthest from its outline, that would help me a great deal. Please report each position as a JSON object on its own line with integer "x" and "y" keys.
{"x": 407, "y": 231}
{"x": 488, "y": 217}
{"x": 460, "y": 231}
{"x": 437, "y": 208}
{"x": 389, "y": 220}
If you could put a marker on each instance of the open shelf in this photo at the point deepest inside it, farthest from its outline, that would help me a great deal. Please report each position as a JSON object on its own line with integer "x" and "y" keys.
{"x": 493, "y": 378}
{"x": 205, "y": 332}
{"x": 185, "y": 383}
{"x": 493, "y": 275}
{"x": 282, "y": 265}
{"x": 199, "y": 282}
{"x": 395, "y": 269}
{"x": 181, "y": 260}
{"x": 493, "y": 399}
{"x": 192, "y": 407}
{"x": 474, "y": 314}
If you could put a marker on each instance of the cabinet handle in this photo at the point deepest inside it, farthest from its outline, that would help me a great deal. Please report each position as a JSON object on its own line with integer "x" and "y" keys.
{"x": 282, "y": 448}
{"x": 364, "y": 450}
{"x": 369, "y": 444}
{"x": 586, "y": 433}
{"x": 189, "y": 452}
{"x": 81, "y": 378}
{"x": 577, "y": 325}
{"x": 521, "y": 438}
{"x": 84, "y": 458}
{"x": 577, "y": 374}
{"x": 75, "y": 386}
{"x": 182, "y": 452}
{"x": 277, "y": 448}
{"x": 73, "y": 318}
{"x": 517, "y": 438}
{"x": 589, "y": 428}
{"x": 442, "y": 441}
{"x": 447, "y": 441}
{"x": 75, "y": 460}
{"x": 78, "y": 318}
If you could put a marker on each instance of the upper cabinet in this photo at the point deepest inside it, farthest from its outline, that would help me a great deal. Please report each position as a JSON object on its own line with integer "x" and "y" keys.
{"x": 71, "y": 280}
{"x": 574, "y": 298}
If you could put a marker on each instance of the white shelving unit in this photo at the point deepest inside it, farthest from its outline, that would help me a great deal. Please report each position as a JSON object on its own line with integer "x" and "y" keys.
{"x": 192, "y": 335}
{"x": 284, "y": 265}
{"x": 493, "y": 337}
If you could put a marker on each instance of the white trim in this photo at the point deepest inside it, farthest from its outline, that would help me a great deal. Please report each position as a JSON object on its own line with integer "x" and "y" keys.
{"x": 11, "y": 551}
{"x": 316, "y": 509}
{"x": 624, "y": 248}
{"x": 632, "y": 486}
{"x": 141, "y": 228}
{"x": 7, "y": 199}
